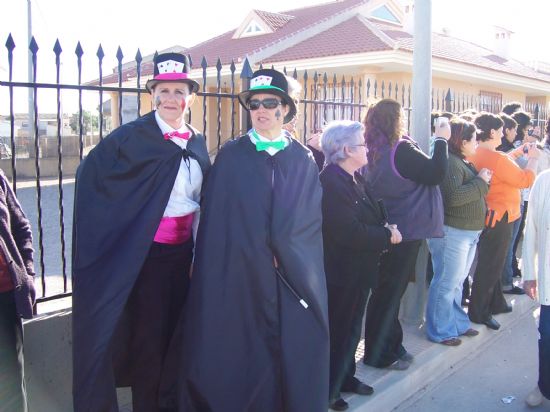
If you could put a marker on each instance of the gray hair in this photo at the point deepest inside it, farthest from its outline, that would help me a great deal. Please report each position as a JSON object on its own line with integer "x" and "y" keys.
{"x": 337, "y": 135}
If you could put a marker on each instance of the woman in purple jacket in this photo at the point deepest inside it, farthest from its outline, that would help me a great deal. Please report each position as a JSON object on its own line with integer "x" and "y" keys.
{"x": 16, "y": 296}
{"x": 407, "y": 181}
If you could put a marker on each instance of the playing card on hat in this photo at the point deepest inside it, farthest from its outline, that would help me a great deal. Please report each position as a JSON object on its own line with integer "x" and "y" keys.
{"x": 261, "y": 81}
{"x": 170, "y": 66}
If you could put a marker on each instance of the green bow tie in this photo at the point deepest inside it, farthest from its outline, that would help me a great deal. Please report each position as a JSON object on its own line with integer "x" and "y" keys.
{"x": 260, "y": 145}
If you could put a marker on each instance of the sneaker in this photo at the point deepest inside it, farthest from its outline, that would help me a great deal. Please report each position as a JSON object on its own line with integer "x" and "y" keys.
{"x": 534, "y": 398}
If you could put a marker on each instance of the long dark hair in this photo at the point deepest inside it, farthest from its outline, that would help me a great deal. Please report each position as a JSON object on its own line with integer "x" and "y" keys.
{"x": 382, "y": 127}
{"x": 461, "y": 130}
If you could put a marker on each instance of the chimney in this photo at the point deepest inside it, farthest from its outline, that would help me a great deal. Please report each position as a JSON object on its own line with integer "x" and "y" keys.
{"x": 408, "y": 16}
{"x": 502, "y": 42}
{"x": 446, "y": 31}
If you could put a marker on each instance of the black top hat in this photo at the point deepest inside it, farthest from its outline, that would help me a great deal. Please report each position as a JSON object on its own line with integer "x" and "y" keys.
{"x": 171, "y": 67}
{"x": 269, "y": 81}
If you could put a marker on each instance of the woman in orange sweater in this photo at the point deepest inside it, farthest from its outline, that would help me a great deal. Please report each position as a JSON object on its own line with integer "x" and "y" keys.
{"x": 503, "y": 201}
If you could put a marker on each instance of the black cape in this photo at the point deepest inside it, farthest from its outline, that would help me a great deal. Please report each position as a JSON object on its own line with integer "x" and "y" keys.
{"x": 121, "y": 192}
{"x": 248, "y": 343}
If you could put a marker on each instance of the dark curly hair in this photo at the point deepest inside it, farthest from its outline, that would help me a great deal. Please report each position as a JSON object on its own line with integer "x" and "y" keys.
{"x": 509, "y": 122}
{"x": 523, "y": 119}
{"x": 486, "y": 122}
{"x": 382, "y": 127}
{"x": 511, "y": 107}
{"x": 547, "y": 131}
{"x": 461, "y": 130}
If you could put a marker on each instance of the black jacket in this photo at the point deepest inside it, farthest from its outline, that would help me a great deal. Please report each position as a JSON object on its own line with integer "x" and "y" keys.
{"x": 353, "y": 231}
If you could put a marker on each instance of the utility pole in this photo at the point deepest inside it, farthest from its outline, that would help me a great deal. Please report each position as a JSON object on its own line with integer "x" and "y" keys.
{"x": 30, "y": 68}
{"x": 422, "y": 73}
{"x": 415, "y": 297}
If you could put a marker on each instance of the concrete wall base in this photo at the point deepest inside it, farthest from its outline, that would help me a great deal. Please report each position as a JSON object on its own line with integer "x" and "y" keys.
{"x": 48, "y": 364}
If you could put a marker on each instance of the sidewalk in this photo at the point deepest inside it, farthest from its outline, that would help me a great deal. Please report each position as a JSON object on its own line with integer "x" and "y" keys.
{"x": 506, "y": 372}
{"x": 433, "y": 362}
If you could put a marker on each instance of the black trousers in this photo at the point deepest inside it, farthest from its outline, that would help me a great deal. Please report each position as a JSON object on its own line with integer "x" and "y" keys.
{"x": 486, "y": 297}
{"x": 346, "y": 306}
{"x": 145, "y": 332}
{"x": 520, "y": 235}
{"x": 13, "y": 397}
{"x": 383, "y": 332}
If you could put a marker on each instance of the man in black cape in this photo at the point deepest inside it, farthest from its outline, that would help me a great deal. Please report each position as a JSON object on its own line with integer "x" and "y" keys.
{"x": 122, "y": 190}
{"x": 256, "y": 330}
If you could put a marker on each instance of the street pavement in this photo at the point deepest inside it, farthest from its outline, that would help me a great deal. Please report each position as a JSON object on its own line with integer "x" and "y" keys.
{"x": 51, "y": 228}
{"x": 506, "y": 367}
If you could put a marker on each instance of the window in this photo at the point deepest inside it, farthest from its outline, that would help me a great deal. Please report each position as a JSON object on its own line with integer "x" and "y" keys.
{"x": 490, "y": 101}
{"x": 252, "y": 29}
{"x": 384, "y": 13}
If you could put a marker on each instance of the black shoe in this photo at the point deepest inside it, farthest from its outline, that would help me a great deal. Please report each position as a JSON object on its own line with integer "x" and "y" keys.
{"x": 359, "y": 388}
{"x": 407, "y": 357}
{"x": 338, "y": 405}
{"x": 514, "y": 291}
{"x": 491, "y": 323}
{"x": 507, "y": 309}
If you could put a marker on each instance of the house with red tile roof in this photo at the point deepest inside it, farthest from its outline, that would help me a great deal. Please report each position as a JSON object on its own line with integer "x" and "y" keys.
{"x": 367, "y": 40}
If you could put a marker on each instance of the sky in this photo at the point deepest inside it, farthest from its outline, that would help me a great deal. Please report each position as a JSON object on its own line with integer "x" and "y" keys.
{"x": 152, "y": 26}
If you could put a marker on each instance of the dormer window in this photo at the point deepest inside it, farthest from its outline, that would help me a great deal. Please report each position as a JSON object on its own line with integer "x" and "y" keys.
{"x": 384, "y": 13}
{"x": 253, "y": 29}
{"x": 261, "y": 22}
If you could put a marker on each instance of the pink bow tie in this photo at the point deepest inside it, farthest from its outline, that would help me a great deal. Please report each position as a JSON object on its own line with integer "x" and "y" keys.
{"x": 185, "y": 136}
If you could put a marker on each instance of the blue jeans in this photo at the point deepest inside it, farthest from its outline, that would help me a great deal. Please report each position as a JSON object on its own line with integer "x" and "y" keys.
{"x": 544, "y": 351}
{"x": 452, "y": 257}
{"x": 508, "y": 271}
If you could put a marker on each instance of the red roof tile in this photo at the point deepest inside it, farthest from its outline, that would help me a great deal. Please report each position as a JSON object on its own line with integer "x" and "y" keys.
{"x": 274, "y": 20}
{"x": 348, "y": 37}
{"x": 227, "y": 48}
{"x": 129, "y": 70}
{"x": 462, "y": 51}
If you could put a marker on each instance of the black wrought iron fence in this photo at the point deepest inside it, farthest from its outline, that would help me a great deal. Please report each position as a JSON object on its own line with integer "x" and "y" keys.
{"x": 325, "y": 97}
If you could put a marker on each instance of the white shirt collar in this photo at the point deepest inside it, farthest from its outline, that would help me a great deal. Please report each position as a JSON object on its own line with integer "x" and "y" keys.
{"x": 284, "y": 136}
{"x": 166, "y": 128}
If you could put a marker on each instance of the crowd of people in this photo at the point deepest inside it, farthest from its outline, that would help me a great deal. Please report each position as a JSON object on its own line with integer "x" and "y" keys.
{"x": 243, "y": 285}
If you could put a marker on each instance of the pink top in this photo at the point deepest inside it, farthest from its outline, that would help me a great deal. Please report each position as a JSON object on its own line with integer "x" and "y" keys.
{"x": 175, "y": 230}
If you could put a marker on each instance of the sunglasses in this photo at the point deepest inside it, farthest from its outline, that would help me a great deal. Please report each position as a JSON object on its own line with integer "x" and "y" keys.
{"x": 270, "y": 103}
